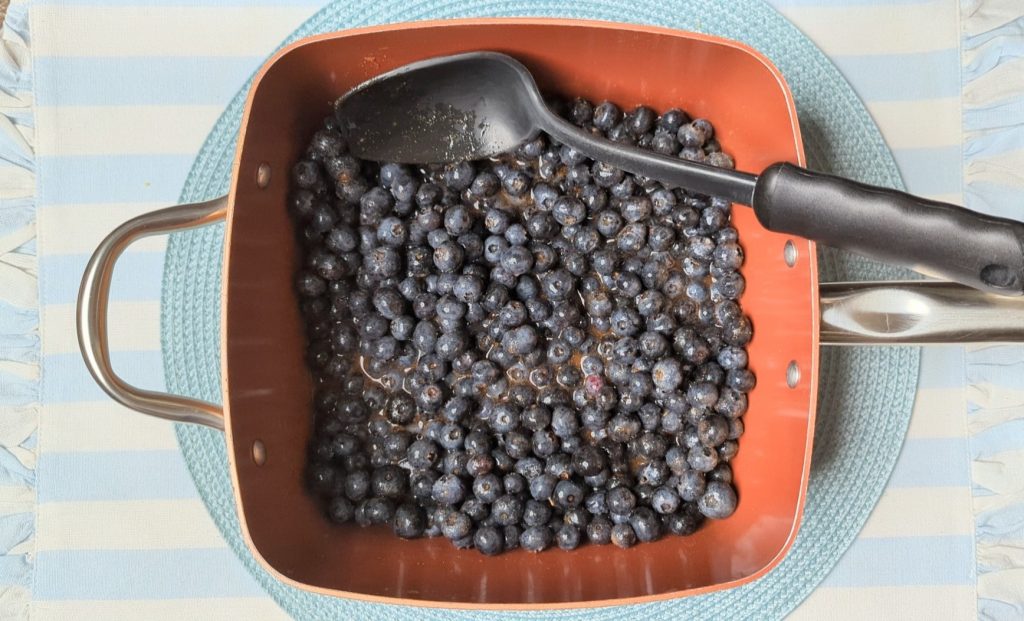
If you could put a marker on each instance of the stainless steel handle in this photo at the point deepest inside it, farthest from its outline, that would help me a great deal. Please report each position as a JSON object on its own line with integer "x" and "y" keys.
{"x": 93, "y": 299}
{"x": 917, "y": 313}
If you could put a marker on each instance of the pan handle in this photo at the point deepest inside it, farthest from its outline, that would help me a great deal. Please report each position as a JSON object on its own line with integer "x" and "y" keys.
{"x": 93, "y": 299}
{"x": 917, "y": 313}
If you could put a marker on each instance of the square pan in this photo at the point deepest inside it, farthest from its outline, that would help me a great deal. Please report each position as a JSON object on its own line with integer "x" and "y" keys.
{"x": 267, "y": 389}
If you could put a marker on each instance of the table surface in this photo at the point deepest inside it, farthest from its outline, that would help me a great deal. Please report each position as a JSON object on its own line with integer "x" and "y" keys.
{"x": 119, "y": 530}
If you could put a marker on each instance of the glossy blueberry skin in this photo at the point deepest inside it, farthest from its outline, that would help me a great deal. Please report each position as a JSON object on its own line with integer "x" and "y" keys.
{"x": 620, "y": 500}
{"x": 623, "y": 535}
{"x": 507, "y": 510}
{"x": 702, "y": 458}
{"x": 665, "y": 501}
{"x": 568, "y": 493}
{"x": 536, "y": 513}
{"x": 489, "y": 540}
{"x": 449, "y": 490}
{"x": 341, "y": 510}
{"x": 535, "y": 538}
{"x": 542, "y": 487}
{"x": 599, "y": 531}
{"x": 645, "y": 524}
{"x": 719, "y": 500}
{"x": 568, "y": 537}
{"x": 409, "y": 521}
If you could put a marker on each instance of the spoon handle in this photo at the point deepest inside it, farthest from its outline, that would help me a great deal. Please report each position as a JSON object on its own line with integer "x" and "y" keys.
{"x": 734, "y": 185}
{"x": 937, "y": 239}
{"x": 934, "y": 238}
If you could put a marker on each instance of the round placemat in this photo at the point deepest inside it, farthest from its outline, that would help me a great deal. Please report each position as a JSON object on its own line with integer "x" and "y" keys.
{"x": 866, "y": 394}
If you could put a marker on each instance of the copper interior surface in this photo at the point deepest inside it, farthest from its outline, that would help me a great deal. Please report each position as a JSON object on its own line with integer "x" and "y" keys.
{"x": 267, "y": 387}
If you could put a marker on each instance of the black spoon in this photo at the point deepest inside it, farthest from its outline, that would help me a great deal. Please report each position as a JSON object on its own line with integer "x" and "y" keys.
{"x": 481, "y": 104}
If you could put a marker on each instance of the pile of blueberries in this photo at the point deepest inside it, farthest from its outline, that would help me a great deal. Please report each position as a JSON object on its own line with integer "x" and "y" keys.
{"x": 533, "y": 350}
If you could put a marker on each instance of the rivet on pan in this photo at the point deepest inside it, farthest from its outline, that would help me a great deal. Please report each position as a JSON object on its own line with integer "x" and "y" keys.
{"x": 263, "y": 175}
{"x": 792, "y": 374}
{"x": 259, "y": 453}
{"x": 789, "y": 253}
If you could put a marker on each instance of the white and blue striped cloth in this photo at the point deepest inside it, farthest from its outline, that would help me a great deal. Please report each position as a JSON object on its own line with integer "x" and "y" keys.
{"x": 103, "y": 105}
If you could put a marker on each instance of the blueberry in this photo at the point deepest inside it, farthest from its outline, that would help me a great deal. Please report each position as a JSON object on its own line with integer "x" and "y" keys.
{"x": 632, "y": 237}
{"x": 430, "y": 397}
{"x": 530, "y": 468}
{"x": 675, "y": 458}
{"x": 310, "y": 285}
{"x": 721, "y": 160}
{"x": 741, "y": 380}
{"x": 737, "y": 332}
{"x": 489, "y": 540}
{"x": 599, "y": 530}
{"x": 702, "y": 394}
{"x": 306, "y": 174}
{"x": 702, "y": 458}
{"x": 542, "y": 486}
{"x": 357, "y": 485}
{"x": 459, "y": 176}
{"x": 544, "y": 442}
{"x": 722, "y": 472}
{"x": 712, "y": 220}
{"x": 718, "y": 501}
{"x": 535, "y": 538}
{"x": 623, "y": 536}
{"x": 568, "y": 211}
{"x": 620, "y": 500}
{"x": 476, "y": 442}
{"x": 645, "y": 524}
{"x": 536, "y": 513}
{"x": 568, "y": 537}
{"x": 340, "y": 510}
{"x": 379, "y": 510}
{"x": 625, "y": 321}
{"x": 606, "y": 115}
{"x": 728, "y": 449}
{"x": 664, "y": 142}
{"x": 667, "y": 374}
{"x": 409, "y": 521}
{"x": 448, "y": 256}
{"x": 665, "y": 501}
{"x": 516, "y": 183}
{"x": 729, "y": 286}
{"x": 487, "y": 487}
{"x": 636, "y": 208}
{"x": 520, "y": 341}
{"x": 684, "y": 522}
{"x": 452, "y": 436}
{"x": 713, "y": 430}
{"x": 623, "y": 427}
{"x": 301, "y": 204}
{"x": 731, "y": 403}
{"x": 581, "y": 111}
{"x": 640, "y": 120}
{"x": 456, "y": 525}
{"x": 691, "y": 136}
{"x": 568, "y": 493}
{"x": 504, "y": 418}
{"x": 514, "y": 483}
{"x": 422, "y": 454}
{"x": 507, "y": 510}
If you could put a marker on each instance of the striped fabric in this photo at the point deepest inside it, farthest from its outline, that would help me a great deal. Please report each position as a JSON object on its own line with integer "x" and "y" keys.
{"x": 126, "y": 90}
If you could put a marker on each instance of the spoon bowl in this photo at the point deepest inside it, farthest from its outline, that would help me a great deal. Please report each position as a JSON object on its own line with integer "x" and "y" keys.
{"x": 425, "y": 113}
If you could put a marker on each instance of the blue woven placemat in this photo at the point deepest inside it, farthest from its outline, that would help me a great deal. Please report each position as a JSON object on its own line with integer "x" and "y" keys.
{"x": 866, "y": 394}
